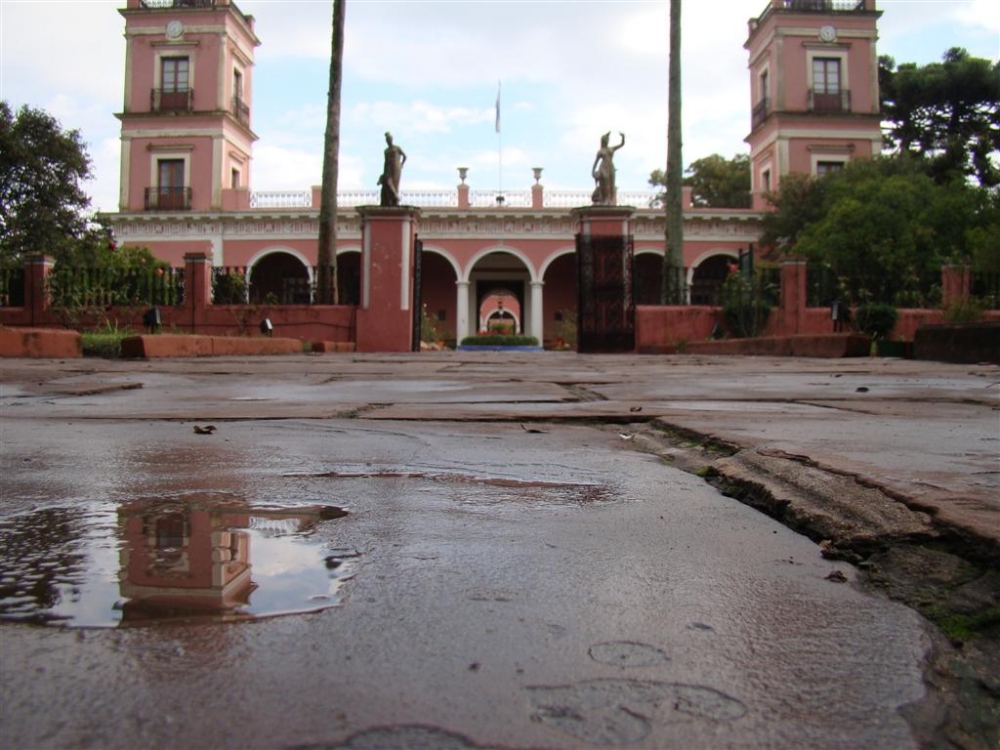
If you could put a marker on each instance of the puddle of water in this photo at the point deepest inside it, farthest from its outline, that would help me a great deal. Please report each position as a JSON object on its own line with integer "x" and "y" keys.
{"x": 99, "y": 565}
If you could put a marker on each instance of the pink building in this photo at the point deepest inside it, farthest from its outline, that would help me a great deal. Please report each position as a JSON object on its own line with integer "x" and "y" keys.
{"x": 186, "y": 185}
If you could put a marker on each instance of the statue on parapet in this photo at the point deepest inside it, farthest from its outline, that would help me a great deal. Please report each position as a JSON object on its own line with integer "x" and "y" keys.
{"x": 395, "y": 158}
{"x": 604, "y": 172}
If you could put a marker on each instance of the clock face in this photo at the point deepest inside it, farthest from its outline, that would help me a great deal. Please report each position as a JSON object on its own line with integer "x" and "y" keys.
{"x": 828, "y": 33}
{"x": 174, "y": 29}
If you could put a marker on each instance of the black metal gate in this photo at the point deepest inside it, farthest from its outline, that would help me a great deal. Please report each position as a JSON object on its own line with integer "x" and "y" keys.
{"x": 606, "y": 301}
{"x": 415, "y": 301}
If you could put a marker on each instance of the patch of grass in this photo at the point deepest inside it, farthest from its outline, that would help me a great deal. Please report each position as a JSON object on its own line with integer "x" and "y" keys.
{"x": 106, "y": 343}
{"x": 963, "y": 627}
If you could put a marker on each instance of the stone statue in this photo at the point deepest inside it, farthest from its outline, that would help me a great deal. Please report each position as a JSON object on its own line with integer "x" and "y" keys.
{"x": 604, "y": 172}
{"x": 395, "y": 158}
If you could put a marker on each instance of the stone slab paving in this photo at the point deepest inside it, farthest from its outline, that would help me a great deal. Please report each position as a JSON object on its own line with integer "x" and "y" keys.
{"x": 528, "y": 572}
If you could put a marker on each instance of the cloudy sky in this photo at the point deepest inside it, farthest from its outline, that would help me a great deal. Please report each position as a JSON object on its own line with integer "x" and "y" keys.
{"x": 428, "y": 70}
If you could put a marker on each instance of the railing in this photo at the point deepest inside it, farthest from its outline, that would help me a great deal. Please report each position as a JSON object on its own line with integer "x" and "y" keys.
{"x": 230, "y": 285}
{"x": 914, "y": 289}
{"x": 441, "y": 198}
{"x": 760, "y": 111}
{"x": 500, "y": 199}
{"x": 168, "y": 199}
{"x": 241, "y": 111}
{"x": 235, "y": 285}
{"x": 639, "y": 198}
{"x": 566, "y": 198}
{"x": 177, "y": 3}
{"x": 81, "y": 288}
{"x": 985, "y": 287}
{"x": 161, "y": 100}
{"x": 282, "y": 199}
{"x": 12, "y": 287}
{"x": 835, "y": 103}
{"x": 825, "y": 6}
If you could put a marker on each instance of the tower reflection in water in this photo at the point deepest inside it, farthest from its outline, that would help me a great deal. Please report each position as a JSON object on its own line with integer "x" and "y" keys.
{"x": 223, "y": 561}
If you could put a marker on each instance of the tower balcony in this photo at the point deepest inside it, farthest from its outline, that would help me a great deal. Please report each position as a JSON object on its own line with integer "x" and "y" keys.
{"x": 168, "y": 199}
{"x": 241, "y": 111}
{"x": 760, "y": 111}
{"x": 829, "y": 104}
{"x": 161, "y": 100}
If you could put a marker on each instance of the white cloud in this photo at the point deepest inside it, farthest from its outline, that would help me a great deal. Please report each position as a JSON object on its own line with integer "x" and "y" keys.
{"x": 428, "y": 72}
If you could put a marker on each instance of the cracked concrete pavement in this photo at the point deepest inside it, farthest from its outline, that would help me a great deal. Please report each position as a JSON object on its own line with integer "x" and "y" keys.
{"x": 534, "y": 569}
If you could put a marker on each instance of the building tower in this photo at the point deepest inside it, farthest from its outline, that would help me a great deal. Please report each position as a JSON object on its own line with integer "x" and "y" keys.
{"x": 186, "y": 137}
{"x": 814, "y": 89}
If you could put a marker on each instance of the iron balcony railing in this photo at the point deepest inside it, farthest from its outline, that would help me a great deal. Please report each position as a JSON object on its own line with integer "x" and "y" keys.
{"x": 161, "y": 100}
{"x": 168, "y": 199}
{"x": 835, "y": 103}
{"x": 241, "y": 111}
{"x": 760, "y": 111}
{"x": 825, "y": 6}
{"x": 178, "y": 3}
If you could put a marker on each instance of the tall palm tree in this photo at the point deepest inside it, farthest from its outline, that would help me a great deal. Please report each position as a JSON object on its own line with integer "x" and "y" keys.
{"x": 326, "y": 257}
{"x": 673, "y": 259}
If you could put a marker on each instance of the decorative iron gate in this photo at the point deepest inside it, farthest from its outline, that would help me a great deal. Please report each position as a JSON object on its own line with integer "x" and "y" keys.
{"x": 606, "y": 302}
{"x": 418, "y": 307}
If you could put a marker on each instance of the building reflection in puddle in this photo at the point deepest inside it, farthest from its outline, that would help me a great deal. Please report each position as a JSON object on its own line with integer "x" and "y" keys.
{"x": 195, "y": 558}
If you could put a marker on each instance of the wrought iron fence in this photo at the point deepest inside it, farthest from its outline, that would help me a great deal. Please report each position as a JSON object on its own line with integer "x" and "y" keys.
{"x": 913, "y": 289}
{"x": 11, "y": 287}
{"x": 986, "y": 288}
{"x": 83, "y": 288}
{"x": 230, "y": 285}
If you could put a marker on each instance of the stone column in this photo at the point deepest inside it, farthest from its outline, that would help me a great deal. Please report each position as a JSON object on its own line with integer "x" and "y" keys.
{"x": 956, "y": 285}
{"x": 385, "y": 317}
{"x": 794, "y": 297}
{"x": 463, "y": 189}
{"x": 537, "y": 311}
{"x": 462, "y": 311}
{"x": 36, "y": 296}
{"x": 197, "y": 286}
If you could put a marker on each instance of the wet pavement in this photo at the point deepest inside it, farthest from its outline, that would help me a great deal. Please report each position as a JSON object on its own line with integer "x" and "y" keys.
{"x": 466, "y": 551}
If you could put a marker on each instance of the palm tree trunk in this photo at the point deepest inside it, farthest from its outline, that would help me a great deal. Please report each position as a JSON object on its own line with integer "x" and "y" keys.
{"x": 673, "y": 259}
{"x": 326, "y": 257}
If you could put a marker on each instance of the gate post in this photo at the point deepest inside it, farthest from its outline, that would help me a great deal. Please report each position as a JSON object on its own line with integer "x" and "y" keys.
{"x": 385, "y": 315}
{"x": 604, "y": 263}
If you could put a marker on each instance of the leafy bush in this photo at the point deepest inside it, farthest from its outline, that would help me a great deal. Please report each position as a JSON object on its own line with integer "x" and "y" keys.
{"x": 877, "y": 319}
{"x": 966, "y": 310}
{"x": 494, "y": 340}
{"x": 745, "y": 304}
{"x": 229, "y": 288}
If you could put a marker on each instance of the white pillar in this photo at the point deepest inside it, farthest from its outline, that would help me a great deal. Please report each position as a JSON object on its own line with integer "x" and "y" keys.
{"x": 462, "y": 312}
{"x": 537, "y": 312}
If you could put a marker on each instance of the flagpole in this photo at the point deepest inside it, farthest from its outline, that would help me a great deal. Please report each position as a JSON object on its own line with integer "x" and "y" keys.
{"x": 499, "y": 148}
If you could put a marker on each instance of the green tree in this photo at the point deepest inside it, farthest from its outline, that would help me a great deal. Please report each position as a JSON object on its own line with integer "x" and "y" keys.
{"x": 885, "y": 227}
{"x": 43, "y": 207}
{"x": 797, "y": 203}
{"x": 715, "y": 181}
{"x": 948, "y": 112}
{"x": 326, "y": 257}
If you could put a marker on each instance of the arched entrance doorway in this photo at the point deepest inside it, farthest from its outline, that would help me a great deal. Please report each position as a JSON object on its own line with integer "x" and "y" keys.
{"x": 438, "y": 297}
{"x": 707, "y": 278}
{"x": 560, "y": 299}
{"x": 500, "y": 274}
{"x": 280, "y": 278}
